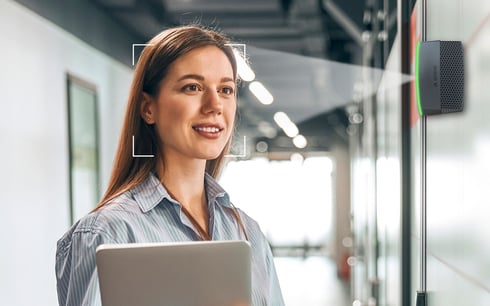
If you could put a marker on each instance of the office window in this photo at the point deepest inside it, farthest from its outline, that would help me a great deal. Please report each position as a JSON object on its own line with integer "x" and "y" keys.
{"x": 83, "y": 146}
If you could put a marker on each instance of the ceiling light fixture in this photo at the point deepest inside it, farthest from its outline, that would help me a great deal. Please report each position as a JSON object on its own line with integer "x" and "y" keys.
{"x": 262, "y": 94}
{"x": 286, "y": 124}
{"x": 300, "y": 141}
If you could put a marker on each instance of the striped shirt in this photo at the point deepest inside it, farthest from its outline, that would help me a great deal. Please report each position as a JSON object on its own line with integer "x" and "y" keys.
{"x": 147, "y": 213}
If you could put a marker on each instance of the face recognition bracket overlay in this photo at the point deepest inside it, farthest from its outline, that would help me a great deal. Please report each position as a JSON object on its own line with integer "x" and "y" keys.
{"x": 244, "y": 152}
{"x": 138, "y": 45}
{"x": 140, "y": 155}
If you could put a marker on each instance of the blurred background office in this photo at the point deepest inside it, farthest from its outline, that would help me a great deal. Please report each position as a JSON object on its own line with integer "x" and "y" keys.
{"x": 326, "y": 154}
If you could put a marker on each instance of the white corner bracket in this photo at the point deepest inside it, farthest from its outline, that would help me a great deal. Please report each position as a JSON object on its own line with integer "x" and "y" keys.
{"x": 243, "y": 46}
{"x": 244, "y": 153}
{"x": 138, "y": 45}
{"x": 144, "y": 155}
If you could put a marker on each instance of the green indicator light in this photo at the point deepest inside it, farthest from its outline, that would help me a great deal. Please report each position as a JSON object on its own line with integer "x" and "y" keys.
{"x": 417, "y": 80}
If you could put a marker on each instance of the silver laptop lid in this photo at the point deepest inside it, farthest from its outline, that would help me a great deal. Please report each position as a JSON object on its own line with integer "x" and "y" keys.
{"x": 210, "y": 273}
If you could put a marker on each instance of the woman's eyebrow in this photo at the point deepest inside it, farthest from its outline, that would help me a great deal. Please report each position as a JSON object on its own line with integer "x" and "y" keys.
{"x": 227, "y": 79}
{"x": 201, "y": 78}
{"x": 191, "y": 76}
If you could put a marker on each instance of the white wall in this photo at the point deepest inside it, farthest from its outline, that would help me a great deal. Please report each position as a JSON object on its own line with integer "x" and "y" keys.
{"x": 458, "y": 146}
{"x": 35, "y": 57}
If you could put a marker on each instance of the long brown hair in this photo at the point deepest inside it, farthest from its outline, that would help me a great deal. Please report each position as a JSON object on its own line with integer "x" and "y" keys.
{"x": 152, "y": 67}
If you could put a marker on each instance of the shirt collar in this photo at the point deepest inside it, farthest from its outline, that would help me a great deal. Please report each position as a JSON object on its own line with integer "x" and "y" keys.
{"x": 151, "y": 192}
{"x": 215, "y": 192}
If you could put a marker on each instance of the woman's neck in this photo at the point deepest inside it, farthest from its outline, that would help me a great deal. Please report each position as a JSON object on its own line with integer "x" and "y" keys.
{"x": 185, "y": 182}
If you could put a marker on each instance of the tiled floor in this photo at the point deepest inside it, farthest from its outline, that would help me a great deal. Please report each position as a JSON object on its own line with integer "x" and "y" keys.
{"x": 311, "y": 282}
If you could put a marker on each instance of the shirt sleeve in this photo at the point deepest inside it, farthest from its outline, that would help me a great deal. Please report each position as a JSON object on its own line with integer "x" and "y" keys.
{"x": 275, "y": 293}
{"x": 264, "y": 259}
{"x": 76, "y": 273}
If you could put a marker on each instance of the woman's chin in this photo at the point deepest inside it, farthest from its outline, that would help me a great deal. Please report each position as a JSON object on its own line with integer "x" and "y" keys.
{"x": 209, "y": 155}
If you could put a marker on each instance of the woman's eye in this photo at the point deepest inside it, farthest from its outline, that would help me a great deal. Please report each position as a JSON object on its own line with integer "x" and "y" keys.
{"x": 227, "y": 90}
{"x": 191, "y": 87}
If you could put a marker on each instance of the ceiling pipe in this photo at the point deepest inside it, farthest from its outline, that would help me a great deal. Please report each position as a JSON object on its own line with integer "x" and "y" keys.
{"x": 343, "y": 20}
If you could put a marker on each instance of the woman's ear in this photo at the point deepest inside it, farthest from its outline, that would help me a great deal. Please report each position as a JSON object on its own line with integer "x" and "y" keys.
{"x": 147, "y": 109}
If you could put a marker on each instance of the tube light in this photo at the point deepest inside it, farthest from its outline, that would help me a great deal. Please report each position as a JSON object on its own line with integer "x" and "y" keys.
{"x": 286, "y": 124}
{"x": 300, "y": 141}
{"x": 281, "y": 119}
{"x": 262, "y": 94}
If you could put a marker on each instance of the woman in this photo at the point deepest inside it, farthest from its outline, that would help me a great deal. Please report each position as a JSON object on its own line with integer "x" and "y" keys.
{"x": 181, "y": 109}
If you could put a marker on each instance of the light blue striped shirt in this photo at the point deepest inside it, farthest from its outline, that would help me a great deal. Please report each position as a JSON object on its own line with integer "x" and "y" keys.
{"x": 147, "y": 213}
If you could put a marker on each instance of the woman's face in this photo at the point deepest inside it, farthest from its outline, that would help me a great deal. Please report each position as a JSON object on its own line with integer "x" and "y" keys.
{"x": 195, "y": 108}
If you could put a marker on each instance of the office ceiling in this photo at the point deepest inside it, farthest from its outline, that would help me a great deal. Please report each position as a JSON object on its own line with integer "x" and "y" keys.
{"x": 294, "y": 47}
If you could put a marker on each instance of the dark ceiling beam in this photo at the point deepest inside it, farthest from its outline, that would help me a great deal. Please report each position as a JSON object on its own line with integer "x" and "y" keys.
{"x": 156, "y": 9}
{"x": 260, "y": 33}
{"x": 151, "y": 13}
{"x": 89, "y": 23}
{"x": 253, "y": 21}
{"x": 245, "y": 18}
{"x": 227, "y": 6}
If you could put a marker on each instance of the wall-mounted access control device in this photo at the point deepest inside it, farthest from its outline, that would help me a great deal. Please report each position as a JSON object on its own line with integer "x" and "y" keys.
{"x": 439, "y": 77}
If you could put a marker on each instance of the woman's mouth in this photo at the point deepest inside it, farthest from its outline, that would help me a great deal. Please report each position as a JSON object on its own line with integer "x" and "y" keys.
{"x": 211, "y": 132}
{"x": 207, "y": 129}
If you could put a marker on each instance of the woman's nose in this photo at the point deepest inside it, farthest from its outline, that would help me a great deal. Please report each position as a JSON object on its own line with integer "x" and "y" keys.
{"x": 212, "y": 102}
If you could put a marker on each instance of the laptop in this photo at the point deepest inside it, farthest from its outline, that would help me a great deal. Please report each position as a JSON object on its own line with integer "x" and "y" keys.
{"x": 210, "y": 273}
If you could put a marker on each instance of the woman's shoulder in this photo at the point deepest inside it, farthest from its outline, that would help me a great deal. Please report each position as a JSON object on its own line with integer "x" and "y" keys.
{"x": 247, "y": 219}
{"x": 103, "y": 220}
{"x": 252, "y": 227}
{"x": 121, "y": 211}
